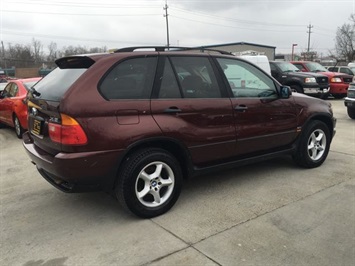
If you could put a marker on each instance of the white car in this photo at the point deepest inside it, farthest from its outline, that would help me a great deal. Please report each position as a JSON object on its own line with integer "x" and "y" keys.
{"x": 342, "y": 69}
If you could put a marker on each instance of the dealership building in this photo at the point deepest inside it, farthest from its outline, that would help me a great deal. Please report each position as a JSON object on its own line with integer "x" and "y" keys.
{"x": 245, "y": 48}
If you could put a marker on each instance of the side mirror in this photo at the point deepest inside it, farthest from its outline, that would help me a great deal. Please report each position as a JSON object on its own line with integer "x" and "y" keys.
{"x": 286, "y": 92}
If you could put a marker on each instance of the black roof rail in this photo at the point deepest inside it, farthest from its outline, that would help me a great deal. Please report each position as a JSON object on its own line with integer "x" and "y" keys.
{"x": 170, "y": 48}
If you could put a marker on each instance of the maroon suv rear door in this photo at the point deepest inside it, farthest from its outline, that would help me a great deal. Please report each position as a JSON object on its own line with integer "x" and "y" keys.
{"x": 263, "y": 120}
{"x": 189, "y": 108}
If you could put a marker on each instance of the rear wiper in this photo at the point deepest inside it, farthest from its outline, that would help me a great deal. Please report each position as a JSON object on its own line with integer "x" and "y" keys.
{"x": 34, "y": 92}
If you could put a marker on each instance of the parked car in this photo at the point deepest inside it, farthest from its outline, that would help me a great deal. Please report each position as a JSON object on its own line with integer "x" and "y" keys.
{"x": 339, "y": 82}
{"x": 313, "y": 84}
{"x": 2, "y": 86}
{"x": 260, "y": 60}
{"x": 341, "y": 69}
{"x": 349, "y": 101}
{"x": 13, "y": 109}
{"x": 138, "y": 123}
{"x": 351, "y": 65}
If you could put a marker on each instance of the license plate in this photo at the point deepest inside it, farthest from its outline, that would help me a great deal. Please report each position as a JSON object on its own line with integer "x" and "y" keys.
{"x": 36, "y": 127}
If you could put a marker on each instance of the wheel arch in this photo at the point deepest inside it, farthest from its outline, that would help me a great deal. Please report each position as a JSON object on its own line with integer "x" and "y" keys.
{"x": 326, "y": 119}
{"x": 295, "y": 83}
{"x": 177, "y": 149}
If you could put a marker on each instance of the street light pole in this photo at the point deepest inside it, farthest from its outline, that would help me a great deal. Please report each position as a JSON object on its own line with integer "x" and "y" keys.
{"x": 293, "y": 49}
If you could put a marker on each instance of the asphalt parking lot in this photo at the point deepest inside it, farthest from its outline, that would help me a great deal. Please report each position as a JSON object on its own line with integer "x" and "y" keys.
{"x": 271, "y": 213}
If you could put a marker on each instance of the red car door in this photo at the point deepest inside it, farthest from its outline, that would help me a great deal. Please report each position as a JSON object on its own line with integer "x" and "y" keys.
{"x": 6, "y": 103}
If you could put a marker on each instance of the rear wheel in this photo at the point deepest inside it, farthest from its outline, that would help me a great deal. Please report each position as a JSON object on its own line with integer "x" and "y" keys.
{"x": 351, "y": 112}
{"x": 149, "y": 183}
{"x": 18, "y": 128}
{"x": 313, "y": 146}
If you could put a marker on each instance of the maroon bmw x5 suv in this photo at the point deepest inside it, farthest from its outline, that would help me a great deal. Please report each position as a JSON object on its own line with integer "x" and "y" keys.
{"x": 139, "y": 122}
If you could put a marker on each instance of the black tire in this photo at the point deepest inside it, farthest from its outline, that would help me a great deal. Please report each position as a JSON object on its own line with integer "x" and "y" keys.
{"x": 18, "y": 128}
{"x": 324, "y": 96}
{"x": 163, "y": 181}
{"x": 339, "y": 96}
{"x": 351, "y": 112}
{"x": 313, "y": 146}
{"x": 296, "y": 88}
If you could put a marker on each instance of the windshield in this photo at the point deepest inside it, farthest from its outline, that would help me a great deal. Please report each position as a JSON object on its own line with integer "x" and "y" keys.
{"x": 29, "y": 84}
{"x": 315, "y": 67}
{"x": 287, "y": 67}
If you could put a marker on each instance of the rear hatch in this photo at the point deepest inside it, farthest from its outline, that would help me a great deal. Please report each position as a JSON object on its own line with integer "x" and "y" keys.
{"x": 48, "y": 127}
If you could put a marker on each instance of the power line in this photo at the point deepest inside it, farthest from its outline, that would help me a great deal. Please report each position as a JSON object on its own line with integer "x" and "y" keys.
{"x": 237, "y": 20}
{"x": 33, "y": 34}
{"x": 78, "y": 14}
{"x": 237, "y": 27}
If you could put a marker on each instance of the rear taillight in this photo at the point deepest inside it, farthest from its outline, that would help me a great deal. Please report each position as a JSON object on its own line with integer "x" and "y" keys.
{"x": 69, "y": 132}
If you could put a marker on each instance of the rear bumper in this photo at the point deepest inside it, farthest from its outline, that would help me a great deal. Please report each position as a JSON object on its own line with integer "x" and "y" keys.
{"x": 75, "y": 172}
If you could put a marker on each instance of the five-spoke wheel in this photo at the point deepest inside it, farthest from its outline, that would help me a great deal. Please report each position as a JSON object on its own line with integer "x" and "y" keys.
{"x": 149, "y": 182}
{"x": 313, "y": 145}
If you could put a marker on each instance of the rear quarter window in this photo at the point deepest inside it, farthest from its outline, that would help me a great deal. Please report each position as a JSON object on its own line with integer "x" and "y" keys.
{"x": 130, "y": 79}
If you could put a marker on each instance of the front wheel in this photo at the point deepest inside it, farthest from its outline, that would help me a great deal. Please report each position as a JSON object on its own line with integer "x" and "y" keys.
{"x": 149, "y": 182}
{"x": 351, "y": 112}
{"x": 313, "y": 146}
{"x": 324, "y": 96}
{"x": 18, "y": 128}
{"x": 296, "y": 88}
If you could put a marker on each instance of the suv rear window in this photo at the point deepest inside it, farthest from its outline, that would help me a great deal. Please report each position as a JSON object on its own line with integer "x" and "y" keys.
{"x": 53, "y": 86}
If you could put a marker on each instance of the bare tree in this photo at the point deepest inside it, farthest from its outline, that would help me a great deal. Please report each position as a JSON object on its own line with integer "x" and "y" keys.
{"x": 32, "y": 55}
{"x": 345, "y": 40}
{"x": 19, "y": 55}
{"x": 37, "y": 51}
{"x": 52, "y": 55}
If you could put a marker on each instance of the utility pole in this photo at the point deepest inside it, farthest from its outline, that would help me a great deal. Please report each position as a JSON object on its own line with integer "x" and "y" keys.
{"x": 309, "y": 35}
{"x": 167, "y": 23}
{"x": 3, "y": 56}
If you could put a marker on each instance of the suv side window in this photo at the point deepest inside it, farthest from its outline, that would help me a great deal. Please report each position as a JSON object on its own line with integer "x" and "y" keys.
{"x": 273, "y": 67}
{"x": 169, "y": 87}
{"x": 246, "y": 80}
{"x": 130, "y": 79}
{"x": 346, "y": 71}
{"x": 333, "y": 69}
{"x": 299, "y": 66}
{"x": 196, "y": 77}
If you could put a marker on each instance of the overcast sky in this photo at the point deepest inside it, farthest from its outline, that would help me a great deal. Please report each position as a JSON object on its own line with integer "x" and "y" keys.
{"x": 121, "y": 23}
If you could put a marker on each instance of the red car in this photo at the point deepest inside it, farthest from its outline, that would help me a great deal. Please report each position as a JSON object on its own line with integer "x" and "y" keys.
{"x": 13, "y": 109}
{"x": 339, "y": 82}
